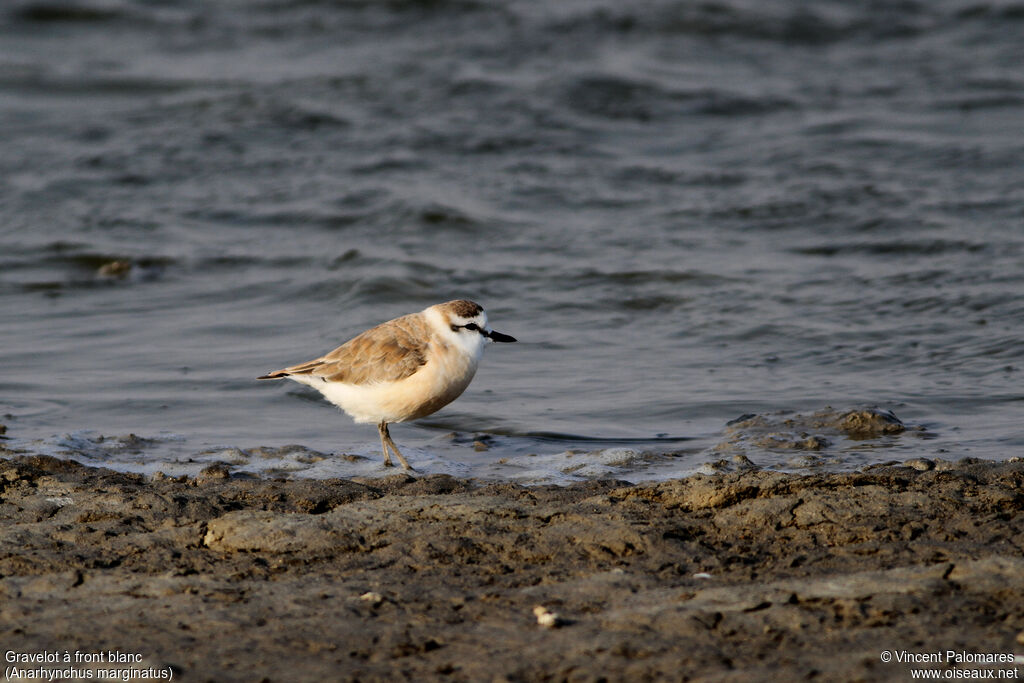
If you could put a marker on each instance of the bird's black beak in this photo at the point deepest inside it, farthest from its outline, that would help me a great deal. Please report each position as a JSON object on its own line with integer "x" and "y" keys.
{"x": 498, "y": 336}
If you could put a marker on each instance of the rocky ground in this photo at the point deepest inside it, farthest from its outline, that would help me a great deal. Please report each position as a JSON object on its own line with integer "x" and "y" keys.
{"x": 731, "y": 577}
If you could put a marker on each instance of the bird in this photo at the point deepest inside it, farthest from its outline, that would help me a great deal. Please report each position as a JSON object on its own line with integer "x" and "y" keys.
{"x": 402, "y": 369}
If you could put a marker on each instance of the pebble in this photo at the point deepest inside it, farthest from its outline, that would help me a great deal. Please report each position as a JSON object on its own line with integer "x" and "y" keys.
{"x": 546, "y": 617}
{"x": 372, "y": 597}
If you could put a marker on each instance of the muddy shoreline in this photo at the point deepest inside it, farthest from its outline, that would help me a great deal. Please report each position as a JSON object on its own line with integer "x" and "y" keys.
{"x": 752, "y": 575}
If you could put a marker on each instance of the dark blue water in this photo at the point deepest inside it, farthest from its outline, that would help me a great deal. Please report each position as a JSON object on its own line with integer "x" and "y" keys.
{"x": 686, "y": 212}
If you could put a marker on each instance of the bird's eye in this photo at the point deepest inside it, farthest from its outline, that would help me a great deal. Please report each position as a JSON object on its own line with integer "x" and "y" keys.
{"x": 471, "y": 326}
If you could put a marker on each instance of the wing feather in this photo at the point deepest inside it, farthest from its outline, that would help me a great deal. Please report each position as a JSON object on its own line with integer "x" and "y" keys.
{"x": 386, "y": 353}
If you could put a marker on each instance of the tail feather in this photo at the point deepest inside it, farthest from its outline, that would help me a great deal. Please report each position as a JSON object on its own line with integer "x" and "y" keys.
{"x": 300, "y": 369}
{"x": 277, "y": 374}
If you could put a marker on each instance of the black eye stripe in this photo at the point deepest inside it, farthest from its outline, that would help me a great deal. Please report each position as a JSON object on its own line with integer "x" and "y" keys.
{"x": 469, "y": 326}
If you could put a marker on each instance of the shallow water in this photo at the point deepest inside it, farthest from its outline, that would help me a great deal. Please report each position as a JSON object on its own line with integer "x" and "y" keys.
{"x": 686, "y": 213}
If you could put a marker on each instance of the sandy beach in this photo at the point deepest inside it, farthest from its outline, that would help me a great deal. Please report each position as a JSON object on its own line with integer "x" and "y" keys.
{"x": 742, "y": 576}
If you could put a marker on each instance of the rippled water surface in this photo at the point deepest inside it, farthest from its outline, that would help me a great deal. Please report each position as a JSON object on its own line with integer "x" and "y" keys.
{"x": 686, "y": 212}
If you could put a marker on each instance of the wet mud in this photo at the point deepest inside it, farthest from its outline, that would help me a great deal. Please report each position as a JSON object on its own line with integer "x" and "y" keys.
{"x": 748, "y": 575}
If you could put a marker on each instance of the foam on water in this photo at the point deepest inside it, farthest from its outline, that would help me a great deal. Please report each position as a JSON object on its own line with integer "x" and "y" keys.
{"x": 825, "y": 440}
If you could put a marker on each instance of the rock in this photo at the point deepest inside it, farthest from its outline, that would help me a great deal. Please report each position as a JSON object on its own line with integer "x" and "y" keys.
{"x": 870, "y": 423}
{"x": 261, "y": 531}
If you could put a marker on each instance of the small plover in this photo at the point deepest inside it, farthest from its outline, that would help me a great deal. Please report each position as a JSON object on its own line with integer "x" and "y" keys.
{"x": 401, "y": 370}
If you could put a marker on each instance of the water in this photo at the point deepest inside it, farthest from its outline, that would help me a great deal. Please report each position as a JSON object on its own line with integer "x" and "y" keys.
{"x": 686, "y": 212}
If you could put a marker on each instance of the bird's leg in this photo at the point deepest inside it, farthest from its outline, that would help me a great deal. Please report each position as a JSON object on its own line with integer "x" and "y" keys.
{"x": 383, "y": 429}
{"x": 387, "y": 441}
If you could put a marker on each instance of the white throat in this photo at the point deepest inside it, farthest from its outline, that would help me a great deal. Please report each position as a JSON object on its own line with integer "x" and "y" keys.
{"x": 468, "y": 343}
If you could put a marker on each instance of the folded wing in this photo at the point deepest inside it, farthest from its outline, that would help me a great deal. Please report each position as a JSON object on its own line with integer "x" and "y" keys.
{"x": 387, "y": 353}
